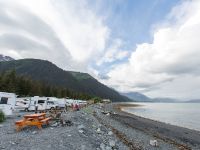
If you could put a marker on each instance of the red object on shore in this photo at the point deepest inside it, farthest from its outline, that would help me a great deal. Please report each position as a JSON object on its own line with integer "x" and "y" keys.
{"x": 76, "y": 106}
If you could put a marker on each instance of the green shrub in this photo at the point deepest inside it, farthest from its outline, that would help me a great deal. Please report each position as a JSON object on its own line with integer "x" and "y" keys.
{"x": 2, "y": 116}
{"x": 97, "y": 100}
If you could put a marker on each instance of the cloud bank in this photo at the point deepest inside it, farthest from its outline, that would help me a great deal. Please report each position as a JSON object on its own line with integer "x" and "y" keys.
{"x": 64, "y": 32}
{"x": 170, "y": 65}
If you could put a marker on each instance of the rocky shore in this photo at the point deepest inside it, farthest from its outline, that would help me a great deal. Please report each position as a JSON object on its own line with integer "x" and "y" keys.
{"x": 90, "y": 129}
{"x": 183, "y": 138}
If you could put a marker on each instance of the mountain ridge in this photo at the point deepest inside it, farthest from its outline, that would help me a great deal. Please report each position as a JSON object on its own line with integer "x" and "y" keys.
{"x": 139, "y": 97}
{"x": 5, "y": 58}
{"x": 45, "y": 71}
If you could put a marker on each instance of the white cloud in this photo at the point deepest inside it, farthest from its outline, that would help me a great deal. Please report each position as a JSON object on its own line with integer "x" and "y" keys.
{"x": 64, "y": 32}
{"x": 113, "y": 53}
{"x": 171, "y": 57}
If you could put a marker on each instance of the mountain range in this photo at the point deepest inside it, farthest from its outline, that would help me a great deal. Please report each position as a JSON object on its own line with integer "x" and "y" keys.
{"x": 47, "y": 72}
{"x": 5, "y": 58}
{"x": 138, "y": 97}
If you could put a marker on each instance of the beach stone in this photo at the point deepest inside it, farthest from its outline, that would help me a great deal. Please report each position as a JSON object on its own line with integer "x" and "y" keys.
{"x": 108, "y": 148}
{"x": 2, "y": 147}
{"x": 103, "y": 146}
{"x": 54, "y": 125}
{"x": 110, "y": 133}
{"x": 98, "y": 130}
{"x": 34, "y": 132}
{"x": 1, "y": 125}
{"x": 154, "y": 143}
{"x": 83, "y": 147}
{"x": 81, "y": 131}
{"x": 111, "y": 143}
{"x": 81, "y": 127}
{"x": 13, "y": 143}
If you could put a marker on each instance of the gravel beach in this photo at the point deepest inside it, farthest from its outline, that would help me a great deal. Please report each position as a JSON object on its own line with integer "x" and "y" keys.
{"x": 93, "y": 130}
{"x": 182, "y": 137}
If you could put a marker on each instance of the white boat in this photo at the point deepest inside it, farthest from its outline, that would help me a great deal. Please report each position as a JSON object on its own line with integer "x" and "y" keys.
{"x": 7, "y": 103}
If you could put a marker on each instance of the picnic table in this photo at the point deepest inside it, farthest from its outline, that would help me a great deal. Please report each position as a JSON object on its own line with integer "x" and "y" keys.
{"x": 32, "y": 120}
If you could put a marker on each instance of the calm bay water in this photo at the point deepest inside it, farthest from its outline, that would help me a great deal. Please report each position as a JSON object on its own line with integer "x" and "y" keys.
{"x": 180, "y": 114}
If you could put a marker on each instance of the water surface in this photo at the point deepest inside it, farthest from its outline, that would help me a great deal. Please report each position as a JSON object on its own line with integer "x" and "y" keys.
{"x": 180, "y": 114}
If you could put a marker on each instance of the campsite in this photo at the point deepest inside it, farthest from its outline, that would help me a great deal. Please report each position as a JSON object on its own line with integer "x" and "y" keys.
{"x": 84, "y": 125}
{"x": 28, "y": 128}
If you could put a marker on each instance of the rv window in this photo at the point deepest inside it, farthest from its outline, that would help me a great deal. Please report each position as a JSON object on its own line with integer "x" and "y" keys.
{"x": 50, "y": 103}
{"x": 40, "y": 101}
{"x": 4, "y": 100}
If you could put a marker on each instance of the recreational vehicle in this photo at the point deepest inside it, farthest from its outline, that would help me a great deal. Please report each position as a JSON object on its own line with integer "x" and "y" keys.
{"x": 22, "y": 103}
{"x": 7, "y": 103}
{"x": 61, "y": 102}
{"x": 69, "y": 102}
{"x": 43, "y": 103}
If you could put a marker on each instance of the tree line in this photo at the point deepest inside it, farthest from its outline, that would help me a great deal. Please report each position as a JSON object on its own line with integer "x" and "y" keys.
{"x": 25, "y": 86}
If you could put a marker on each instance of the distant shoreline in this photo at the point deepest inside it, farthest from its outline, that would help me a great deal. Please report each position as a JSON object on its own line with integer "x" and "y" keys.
{"x": 188, "y": 138}
{"x": 120, "y": 106}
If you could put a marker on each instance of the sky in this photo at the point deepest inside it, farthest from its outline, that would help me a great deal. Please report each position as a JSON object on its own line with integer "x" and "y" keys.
{"x": 151, "y": 47}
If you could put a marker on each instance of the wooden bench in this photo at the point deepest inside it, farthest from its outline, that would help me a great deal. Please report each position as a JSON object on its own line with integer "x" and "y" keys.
{"x": 19, "y": 124}
{"x": 45, "y": 121}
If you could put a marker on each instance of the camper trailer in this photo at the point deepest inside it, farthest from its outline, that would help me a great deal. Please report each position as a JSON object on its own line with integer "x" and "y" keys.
{"x": 7, "y": 103}
{"x": 69, "y": 102}
{"x": 22, "y": 103}
{"x": 43, "y": 103}
{"x": 61, "y": 102}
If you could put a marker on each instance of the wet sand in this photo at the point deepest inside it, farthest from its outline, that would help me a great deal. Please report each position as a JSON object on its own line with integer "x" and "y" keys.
{"x": 183, "y": 137}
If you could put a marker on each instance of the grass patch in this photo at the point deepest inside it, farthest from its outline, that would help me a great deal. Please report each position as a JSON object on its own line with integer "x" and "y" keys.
{"x": 2, "y": 117}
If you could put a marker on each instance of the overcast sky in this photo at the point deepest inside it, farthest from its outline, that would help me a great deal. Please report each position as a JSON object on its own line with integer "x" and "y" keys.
{"x": 152, "y": 47}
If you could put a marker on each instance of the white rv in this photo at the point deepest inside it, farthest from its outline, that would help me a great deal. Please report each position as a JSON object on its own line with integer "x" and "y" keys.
{"x": 61, "y": 102}
{"x": 7, "y": 103}
{"x": 69, "y": 102}
{"x": 43, "y": 103}
{"x": 22, "y": 103}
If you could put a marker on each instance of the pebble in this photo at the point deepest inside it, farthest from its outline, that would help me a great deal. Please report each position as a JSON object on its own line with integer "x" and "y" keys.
{"x": 103, "y": 146}
{"x": 108, "y": 148}
{"x": 98, "y": 130}
{"x": 111, "y": 143}
{"x": 83, "y": 147}
{"x": 2, "y": 148}
{"x": 81, "y": 127}
{"x": 81, "y": 131}
{"x": 153, "y": 143}
{"x": 54, "y": 125}
{"x": 1, "y": 125}
{"x": 34, "y": 132}
{"x": 110, "y": 133}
